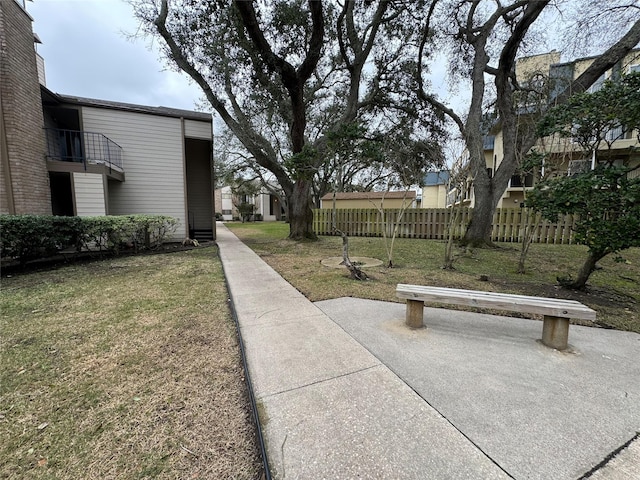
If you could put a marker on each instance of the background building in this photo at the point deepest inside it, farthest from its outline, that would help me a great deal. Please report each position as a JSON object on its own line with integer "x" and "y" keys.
{"x": 565, "y": 156}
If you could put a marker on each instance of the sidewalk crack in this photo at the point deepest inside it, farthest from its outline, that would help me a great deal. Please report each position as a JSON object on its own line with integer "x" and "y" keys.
{"x": 609, "y": 457}
{"x": 317, "y": 382}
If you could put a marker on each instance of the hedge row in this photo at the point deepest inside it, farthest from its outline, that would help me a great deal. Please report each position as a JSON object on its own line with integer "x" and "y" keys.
{"x": 27, "y": 237}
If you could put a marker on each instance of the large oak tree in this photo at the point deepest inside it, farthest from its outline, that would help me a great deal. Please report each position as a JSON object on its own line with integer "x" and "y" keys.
{"x": 287, "y": 76}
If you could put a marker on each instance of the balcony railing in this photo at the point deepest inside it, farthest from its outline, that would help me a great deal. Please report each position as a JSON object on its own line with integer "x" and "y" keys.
{"x": 83, "y": 147}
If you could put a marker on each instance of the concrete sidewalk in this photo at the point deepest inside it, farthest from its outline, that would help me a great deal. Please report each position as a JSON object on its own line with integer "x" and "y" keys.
{"x": 344, "y": 390}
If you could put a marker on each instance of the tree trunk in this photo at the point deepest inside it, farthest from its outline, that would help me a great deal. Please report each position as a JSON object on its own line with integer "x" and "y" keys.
{"x": 451, "y": 233}
{"x": 530, "y": 223}
{"x": 478, "y": 232}
{"x": 354, "y": 271}
{"x": 586, "y": 270}
{"x": 486, "y": 190}
{"x": 300, "y": 214}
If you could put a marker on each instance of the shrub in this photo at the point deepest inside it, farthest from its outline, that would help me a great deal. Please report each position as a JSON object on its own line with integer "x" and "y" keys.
{"x": 27, "y": 237}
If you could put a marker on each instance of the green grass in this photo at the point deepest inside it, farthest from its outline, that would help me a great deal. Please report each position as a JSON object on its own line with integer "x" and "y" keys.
{"x": 613, "y": 289}
{"x": 123, "y": 368}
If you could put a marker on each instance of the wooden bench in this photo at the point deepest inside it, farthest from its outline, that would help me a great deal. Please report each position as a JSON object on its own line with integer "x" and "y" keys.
{"x": 557, "y": 312}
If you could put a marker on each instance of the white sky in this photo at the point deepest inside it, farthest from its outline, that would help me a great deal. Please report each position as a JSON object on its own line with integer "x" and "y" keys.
{"x": 87, "y": 54}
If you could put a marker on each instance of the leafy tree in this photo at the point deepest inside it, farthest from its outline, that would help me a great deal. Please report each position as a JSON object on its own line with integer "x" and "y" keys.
{"x": 590, "y": 118}
{"x": 606, "y": 200}
{"x": 479, "y": 31}
{"x": 607, "y": 204}
{"x": 283, "y": 75}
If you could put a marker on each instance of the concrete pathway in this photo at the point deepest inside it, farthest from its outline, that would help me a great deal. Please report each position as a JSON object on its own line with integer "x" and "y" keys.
{"x": 344, "y": 390}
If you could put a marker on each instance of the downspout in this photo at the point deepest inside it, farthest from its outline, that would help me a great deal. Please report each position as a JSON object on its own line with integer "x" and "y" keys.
{"x": 6, "y": 166}
{"x": 105, "y": 193}
{"x": 72, "y": 183}
{"x": 213, "y": 185}
{"x": 184, "y": 179}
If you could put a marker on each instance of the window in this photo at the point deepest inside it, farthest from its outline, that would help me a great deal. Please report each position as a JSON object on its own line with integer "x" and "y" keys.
{"x": 634, "y": 68}
{"x": 517, "y": 181}
{"x": 597, "y": 85}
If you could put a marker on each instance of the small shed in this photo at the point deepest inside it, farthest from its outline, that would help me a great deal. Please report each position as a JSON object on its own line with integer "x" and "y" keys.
{"x": 399, "y": 199}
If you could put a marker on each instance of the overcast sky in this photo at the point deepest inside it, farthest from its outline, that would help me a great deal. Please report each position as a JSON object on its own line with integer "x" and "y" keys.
{"x": 87, "y": 54}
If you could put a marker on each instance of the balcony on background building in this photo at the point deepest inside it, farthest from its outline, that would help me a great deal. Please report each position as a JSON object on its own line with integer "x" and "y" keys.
{"x": 74, "y": 150}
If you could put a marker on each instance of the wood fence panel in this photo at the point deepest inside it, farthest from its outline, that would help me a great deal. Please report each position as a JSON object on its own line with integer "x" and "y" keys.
{"x": 433, "y": 223}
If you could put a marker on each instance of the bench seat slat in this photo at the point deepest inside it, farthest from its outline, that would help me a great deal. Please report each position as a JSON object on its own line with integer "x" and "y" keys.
{"x": 499, "y": 301}
{"x": 494, "y": 297}
{"x": 402, "y": 288}
{"x": 490, "y": 296}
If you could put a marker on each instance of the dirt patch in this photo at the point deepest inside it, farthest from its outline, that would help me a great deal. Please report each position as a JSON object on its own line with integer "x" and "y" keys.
{"x": 594, "y": 295}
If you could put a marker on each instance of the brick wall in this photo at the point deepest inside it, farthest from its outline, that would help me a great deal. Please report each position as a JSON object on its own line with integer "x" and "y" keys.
{"x": 21, "y": 115}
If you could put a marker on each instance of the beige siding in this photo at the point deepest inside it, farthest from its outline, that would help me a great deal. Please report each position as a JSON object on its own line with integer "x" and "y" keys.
{"x": 196, "y": 129}
{"x": 89, "y": 194}
{"x": 264, "y": 204}
{"x": 434, "y": 196}
{"x": 527, "y": 67}
{"x": 153, "y": 162}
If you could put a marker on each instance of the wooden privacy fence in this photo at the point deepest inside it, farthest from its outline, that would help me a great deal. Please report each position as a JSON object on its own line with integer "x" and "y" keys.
{"x": 432, "y": 223}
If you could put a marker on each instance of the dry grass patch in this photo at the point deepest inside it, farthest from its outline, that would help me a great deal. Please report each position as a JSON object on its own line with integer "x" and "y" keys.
{"x": 126, "y": 368}
{"x": 613, "y": 289}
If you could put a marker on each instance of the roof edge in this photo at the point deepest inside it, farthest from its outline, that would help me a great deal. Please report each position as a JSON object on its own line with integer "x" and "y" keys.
{"x": 130, "y": 107}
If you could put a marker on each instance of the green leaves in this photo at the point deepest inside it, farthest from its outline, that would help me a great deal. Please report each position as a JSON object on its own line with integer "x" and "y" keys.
{"x": 588, "y": 117}
{"x": 301, "y": 165}
{"x": 28, "y": 237}
{"x": 606, "y": 202}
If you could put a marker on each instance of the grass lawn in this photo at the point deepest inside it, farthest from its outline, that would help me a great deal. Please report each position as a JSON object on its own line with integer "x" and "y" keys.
{"x": 613, "y": 291}
{"x": 123, "y": 368}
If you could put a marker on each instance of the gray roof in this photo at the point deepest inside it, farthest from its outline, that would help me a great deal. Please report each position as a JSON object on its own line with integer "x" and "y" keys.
{"x": 436, "y": 178}
{"x": 129, "y": 107}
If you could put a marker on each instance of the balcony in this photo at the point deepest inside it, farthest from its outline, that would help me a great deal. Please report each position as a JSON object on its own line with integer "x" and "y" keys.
{"x": 75, "y": 151}
{"x": 519, "y": 182}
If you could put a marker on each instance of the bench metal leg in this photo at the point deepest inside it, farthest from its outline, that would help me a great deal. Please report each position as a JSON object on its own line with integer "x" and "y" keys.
{"x": 415, "y": 311}
{"x": 555, "y": 332}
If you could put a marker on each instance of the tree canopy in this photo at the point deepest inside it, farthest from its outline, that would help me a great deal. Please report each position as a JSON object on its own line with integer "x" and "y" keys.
{"x": 288, "y": 76}
{"x": 322, "y": 92}
{"x": 606, "y": 200}
{"x": 597, "y": 118}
